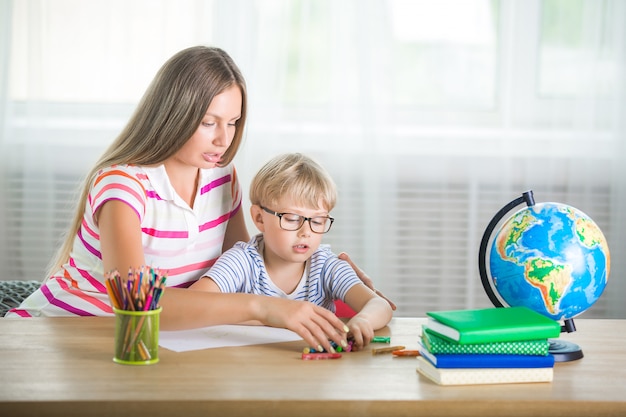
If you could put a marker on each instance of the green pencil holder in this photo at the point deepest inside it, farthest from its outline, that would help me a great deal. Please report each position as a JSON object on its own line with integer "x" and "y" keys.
{"x": 136, "y": 337}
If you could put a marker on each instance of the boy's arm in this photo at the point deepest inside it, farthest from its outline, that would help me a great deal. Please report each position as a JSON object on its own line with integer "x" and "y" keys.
{"x": 373, "y": 313}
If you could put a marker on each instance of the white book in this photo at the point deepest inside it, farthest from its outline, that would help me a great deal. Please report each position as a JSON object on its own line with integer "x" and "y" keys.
{"x": 475, "y": 376}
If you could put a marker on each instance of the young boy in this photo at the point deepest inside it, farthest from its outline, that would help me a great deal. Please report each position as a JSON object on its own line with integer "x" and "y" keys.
{"x": 292, "y": 197}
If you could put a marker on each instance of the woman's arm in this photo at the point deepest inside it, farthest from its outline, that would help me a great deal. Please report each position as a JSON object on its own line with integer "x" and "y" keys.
{"x": 188, "y": 308}
{"x": 121, "y": 246}
{"x": 306, "y": 319}
{"x": 235, "y": 231}
{"x": 373, "y": 313}
{"x": 120, "y": 237}
{"x": 206, "y": 284}
{"x": 365, "y": 278}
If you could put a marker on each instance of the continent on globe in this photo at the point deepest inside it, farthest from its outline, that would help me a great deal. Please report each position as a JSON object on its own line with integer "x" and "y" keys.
{"x": 550, "y": 279}
{"x": 551, "y": 258}
{"x": 590, "y": 235}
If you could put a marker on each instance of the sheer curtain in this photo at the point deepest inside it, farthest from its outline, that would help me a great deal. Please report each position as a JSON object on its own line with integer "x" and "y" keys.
{"x": 431, "y": 116}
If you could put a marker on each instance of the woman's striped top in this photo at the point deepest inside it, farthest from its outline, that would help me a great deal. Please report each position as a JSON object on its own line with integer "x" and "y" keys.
{"x": 178, "y": 239}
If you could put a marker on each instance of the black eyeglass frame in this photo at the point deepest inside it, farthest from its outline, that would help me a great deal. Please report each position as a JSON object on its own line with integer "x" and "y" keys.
{"x": 302, "y": 220}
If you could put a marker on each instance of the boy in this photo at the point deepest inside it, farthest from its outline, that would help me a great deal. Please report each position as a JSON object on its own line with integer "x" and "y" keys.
{"x": 291, "y": 198}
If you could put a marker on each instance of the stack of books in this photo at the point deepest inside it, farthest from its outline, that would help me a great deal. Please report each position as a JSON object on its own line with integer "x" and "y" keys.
{"x": 487, "y": 346}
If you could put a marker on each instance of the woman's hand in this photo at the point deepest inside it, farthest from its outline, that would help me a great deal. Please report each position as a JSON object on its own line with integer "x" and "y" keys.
{"x": 315, "y": 324}
{"x": 366, "y": 279}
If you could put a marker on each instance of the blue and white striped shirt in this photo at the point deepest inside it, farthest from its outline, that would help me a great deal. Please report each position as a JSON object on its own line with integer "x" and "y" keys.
{"x": 242, "y": 269}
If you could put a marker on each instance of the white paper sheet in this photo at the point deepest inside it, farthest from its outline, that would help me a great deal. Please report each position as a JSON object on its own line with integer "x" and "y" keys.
{"x": 223, "y": 336}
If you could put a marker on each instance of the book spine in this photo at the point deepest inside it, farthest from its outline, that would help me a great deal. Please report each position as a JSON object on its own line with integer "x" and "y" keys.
{"x": 489, "y": 349}
{"x": 489, "y": 361}
{"x": 483, "y": 336}
{"x": 508, "y": 335}
{"x": 438, "y": 345}
{"x": 483, "y": 376}
{"x": 493, "y": 325}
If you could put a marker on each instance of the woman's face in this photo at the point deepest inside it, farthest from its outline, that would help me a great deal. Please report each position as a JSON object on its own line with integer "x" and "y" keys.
{"x": 215, "y": 133}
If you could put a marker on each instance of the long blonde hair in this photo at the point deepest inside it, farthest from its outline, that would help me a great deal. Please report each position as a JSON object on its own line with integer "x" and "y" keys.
{"x": 166, "y": 117}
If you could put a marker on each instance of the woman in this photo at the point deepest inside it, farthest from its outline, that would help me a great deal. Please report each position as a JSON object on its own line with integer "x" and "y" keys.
{"x": 165, "y": 194}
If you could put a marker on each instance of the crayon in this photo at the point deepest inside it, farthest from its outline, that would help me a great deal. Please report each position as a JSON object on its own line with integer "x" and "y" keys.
{"x": 309, "y": 356}
{"x": 389, "y": 349}
{"x": 381, "y": 339}
{"x": 405, "y": 352}
{"x": 338, "y": 348}
{"x": 335, "y": 346}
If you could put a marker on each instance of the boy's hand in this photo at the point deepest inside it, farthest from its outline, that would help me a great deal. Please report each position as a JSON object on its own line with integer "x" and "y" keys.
{"x": 315, "y": 324}
{"x": 361, "y": 332}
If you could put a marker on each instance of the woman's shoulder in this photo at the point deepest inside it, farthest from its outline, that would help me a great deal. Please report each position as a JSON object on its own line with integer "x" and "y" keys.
{"x": 123, "y": 175}
{"x": 121, "y": 169}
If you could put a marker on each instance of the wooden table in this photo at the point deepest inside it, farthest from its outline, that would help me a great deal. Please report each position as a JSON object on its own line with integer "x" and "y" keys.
{"x": 64, "y": 367}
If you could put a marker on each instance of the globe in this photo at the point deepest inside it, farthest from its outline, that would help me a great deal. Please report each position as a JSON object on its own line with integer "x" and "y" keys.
{"x": 549, "y": 257}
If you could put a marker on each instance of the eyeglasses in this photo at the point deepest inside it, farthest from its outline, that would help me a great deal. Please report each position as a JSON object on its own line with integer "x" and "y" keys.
{"x": 293, "y": 222}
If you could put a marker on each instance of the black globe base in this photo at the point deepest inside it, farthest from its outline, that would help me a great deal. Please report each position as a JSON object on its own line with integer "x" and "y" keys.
{"x": 564, "y": 351}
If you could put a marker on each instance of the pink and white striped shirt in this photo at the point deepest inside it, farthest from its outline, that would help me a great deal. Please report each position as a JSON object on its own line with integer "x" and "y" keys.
{"x": 178, "y": 239}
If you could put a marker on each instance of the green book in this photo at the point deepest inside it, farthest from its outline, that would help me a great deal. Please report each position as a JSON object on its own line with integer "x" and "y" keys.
{"x": 489, "y": 325}
{"x": 440, "y": 346}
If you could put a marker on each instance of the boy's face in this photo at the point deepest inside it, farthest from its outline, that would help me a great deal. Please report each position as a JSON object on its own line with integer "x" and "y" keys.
{"x": 295, "y": 246}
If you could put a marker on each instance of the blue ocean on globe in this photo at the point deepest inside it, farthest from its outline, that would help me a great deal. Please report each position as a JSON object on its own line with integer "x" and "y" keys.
{"x": 550, "y": 257}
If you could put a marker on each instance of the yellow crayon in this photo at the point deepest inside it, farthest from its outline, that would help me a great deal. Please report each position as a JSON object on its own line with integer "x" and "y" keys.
{"x": 388, "y": 349}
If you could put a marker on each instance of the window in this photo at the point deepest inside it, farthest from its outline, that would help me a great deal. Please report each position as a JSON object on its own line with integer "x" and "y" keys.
{"x": 430, "y": 115}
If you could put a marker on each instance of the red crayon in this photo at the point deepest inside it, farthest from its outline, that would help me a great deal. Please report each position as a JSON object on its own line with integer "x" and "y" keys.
{"x": 324, "y": 355}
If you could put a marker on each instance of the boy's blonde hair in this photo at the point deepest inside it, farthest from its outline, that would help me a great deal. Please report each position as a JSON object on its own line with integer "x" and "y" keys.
{"x": 296, "y": 176}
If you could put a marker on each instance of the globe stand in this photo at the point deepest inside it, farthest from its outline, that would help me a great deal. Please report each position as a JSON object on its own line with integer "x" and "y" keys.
{"x": 562, "y": 350}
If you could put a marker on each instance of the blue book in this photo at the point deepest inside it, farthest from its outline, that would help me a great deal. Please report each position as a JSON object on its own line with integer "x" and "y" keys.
{"x": 487, "y": 360}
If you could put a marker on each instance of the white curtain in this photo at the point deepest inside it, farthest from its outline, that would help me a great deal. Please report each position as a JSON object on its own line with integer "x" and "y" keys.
{"x": 431, "y": 116}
